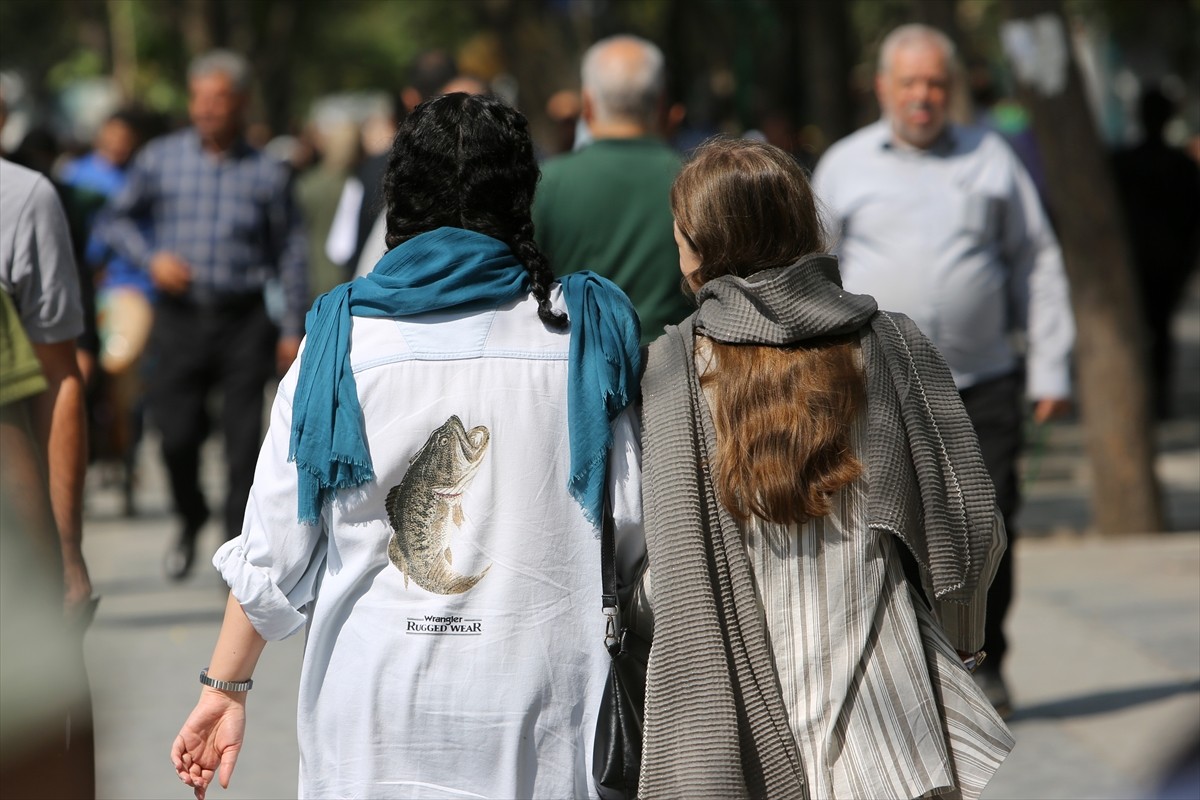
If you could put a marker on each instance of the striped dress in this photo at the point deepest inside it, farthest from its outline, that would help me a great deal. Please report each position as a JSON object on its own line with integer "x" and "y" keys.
{"x": 878, "y": 700}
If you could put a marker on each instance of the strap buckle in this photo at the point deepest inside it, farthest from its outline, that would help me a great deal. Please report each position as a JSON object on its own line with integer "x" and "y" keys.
{"x": 610, "y": 627}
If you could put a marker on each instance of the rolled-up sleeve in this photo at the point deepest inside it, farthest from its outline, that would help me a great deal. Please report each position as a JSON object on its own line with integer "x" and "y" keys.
{"x": 274, "y": 566}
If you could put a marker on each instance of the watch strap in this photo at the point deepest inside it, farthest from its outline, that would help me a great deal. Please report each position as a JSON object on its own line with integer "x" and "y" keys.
{"x": 225, "y": 686}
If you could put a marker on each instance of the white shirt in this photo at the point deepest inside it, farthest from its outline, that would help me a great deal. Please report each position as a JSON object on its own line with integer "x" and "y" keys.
{"x": 373, "y": 248}
{"x": 876, "y": 697}
{"x": 342, "y": 238}
{"x": 492, "y": 692}
{"x": 954, "y": 237}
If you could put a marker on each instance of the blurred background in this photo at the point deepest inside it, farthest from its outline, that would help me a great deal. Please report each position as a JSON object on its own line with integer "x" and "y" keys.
{"x": 1106, "y": 656}
{"x": 799, "y": 72}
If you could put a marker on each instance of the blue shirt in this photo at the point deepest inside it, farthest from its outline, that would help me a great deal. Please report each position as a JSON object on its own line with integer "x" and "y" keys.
{"x": 953, "y": 236}
{"x": 231, "y": 217}
{"x": 96, "y": 175}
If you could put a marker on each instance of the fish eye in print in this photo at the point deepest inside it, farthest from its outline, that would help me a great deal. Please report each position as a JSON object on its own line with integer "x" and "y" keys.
{"x": 428, "y": 501}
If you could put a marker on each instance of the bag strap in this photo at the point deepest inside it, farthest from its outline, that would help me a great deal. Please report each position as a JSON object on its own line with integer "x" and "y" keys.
{"x": 608, "y": 579}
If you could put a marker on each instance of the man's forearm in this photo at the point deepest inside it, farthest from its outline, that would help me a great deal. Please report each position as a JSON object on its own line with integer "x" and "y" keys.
{"x": 60, "y": 423}
{"x": 121, "y": 235}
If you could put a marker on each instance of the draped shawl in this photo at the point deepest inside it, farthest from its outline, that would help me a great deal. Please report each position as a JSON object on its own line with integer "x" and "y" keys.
{"x": 715, "y": 722}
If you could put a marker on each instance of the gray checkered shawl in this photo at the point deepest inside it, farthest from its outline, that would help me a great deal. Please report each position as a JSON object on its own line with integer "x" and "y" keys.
{"x": 715, "y": 722}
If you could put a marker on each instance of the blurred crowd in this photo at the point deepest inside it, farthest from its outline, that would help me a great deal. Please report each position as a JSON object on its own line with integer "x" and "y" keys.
{"x": 336, "y": 162}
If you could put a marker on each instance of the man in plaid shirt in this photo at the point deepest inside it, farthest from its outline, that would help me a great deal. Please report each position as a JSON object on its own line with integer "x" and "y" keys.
{"x": 212, "y": 221}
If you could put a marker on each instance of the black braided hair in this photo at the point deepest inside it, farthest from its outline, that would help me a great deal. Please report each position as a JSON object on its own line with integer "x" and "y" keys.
{"x": 466, "y": 161}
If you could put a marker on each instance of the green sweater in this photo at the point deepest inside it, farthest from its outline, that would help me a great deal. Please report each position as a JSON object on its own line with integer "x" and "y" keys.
{"x": 607, "y": 209}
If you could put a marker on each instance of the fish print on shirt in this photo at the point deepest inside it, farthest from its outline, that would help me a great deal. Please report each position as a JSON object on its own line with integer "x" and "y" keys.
{"x": 428, "y": 499}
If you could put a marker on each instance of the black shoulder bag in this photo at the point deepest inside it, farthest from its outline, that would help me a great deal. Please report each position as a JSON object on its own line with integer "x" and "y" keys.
{"x": 617, "y": 753}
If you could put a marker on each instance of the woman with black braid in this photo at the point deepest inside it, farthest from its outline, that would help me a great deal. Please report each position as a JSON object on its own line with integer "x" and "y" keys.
{"x": 426, "y": 502}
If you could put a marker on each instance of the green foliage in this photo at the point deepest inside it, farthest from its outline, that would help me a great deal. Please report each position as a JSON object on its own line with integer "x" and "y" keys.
{"x": 79, "y": 65}
{"x": 35, "y": 36}
{"x": 365, "y": 44}
{"x": 729, "y": 59}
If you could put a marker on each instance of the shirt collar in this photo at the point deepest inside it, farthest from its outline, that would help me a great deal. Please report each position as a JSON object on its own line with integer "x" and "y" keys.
{"x": 239, "y": 149}
{"x": 942, "y": 146}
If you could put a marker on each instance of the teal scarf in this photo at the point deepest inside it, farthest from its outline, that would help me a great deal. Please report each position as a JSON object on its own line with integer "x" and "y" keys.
{"x": 451, "y": 268}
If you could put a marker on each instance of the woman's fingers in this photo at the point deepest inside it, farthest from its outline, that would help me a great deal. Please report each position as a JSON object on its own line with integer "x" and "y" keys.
{"x": 228, "y": 762}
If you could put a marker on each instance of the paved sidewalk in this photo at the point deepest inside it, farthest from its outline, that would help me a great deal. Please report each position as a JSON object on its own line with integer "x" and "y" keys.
{"x": 1104, "y": 665}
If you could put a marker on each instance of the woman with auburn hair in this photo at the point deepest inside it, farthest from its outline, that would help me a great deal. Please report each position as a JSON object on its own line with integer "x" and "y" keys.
{"x": 803, "y": 454}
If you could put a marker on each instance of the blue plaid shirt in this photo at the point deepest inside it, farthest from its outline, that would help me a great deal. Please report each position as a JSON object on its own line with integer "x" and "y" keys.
{"x": 231, "y": 217}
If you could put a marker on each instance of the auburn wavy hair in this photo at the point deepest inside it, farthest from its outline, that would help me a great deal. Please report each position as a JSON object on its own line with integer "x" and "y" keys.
{"x": 783, "y": 414}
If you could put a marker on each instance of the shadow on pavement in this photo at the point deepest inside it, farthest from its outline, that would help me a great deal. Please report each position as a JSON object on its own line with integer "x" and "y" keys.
{"x": 1103, "y": 702}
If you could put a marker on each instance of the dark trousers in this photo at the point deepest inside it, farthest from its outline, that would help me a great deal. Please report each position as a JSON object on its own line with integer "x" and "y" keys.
{"x": 195, "y": 350}
{"x": 995, "y": 410}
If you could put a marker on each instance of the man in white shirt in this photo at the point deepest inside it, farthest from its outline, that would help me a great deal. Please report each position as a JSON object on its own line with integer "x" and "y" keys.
{"x": 941, "y": 222}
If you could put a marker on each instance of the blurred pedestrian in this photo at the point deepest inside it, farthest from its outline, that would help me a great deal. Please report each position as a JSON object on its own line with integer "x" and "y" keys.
{"x": 122, "y": 296}
{"x": 223, "y": 224}
{"x": 42, "y": 314}
{"x": 1159, "y": 189}
{"x": 604, "y": 207}
{"x": 45, "y": 710}
{"x": 375, "y": 244}
{"x": 317, "y": 192}
{"x": 41, "y": 151}
{"x": 564, "y": 108}
{"x": 790, "y": 649}
{"x": 362, "y": 200}
{"x": 37, "y": 271}
{"x": 942, "y": 223}
{"x": 102, "y": 171}
{"x": 464, "y": 665}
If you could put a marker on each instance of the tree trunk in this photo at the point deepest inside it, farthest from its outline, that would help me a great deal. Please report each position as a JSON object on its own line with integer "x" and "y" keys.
{"x": 1110, "y": 343}
{"x": 274, "y": 62}
{"x": 827, "y": 64}
{"x": 124, "y": 48}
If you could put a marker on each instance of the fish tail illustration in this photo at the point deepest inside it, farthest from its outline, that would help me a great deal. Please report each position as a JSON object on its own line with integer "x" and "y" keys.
{"x": 397, "y": 557}
{"x": 447, "y": 581}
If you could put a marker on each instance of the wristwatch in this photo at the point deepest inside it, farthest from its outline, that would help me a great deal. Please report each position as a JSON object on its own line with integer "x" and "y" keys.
{"x": 225, "y": 686}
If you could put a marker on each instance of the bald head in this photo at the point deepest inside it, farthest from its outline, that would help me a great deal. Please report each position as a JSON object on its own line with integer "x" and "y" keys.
{"x": 623, "y": 83}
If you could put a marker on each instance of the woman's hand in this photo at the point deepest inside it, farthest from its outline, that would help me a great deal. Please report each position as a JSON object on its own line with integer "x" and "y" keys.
{"x": 210, "y": 739}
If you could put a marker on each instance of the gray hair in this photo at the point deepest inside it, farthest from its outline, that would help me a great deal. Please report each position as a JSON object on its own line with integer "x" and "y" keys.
{"x": 224, "y": 62}
{"x": 914, "y": 33}
{"x": 625, "y": 89}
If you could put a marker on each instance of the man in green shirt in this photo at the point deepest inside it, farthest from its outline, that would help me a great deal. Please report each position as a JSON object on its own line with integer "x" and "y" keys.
{"x": 607, "y": 207}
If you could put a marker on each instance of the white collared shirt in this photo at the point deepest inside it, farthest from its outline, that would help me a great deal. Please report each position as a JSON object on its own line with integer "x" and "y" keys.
{"x": 404, "y": 692}
{"x": 954, "y": 237}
